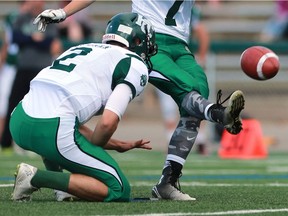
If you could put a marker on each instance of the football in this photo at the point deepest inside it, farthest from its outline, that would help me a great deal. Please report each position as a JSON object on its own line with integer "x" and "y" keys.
{"x": 259, "y": 63}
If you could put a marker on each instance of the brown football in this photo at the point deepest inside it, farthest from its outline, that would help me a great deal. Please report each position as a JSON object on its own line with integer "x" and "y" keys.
{"x": 259, "y": 63}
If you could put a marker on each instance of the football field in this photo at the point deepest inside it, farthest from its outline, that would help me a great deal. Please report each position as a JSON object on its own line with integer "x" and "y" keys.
{"x": 221, "y": 187}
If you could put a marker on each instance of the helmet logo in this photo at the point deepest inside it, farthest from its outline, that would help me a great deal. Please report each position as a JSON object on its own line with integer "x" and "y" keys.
{"x": 125, "y": 29}
{"x": 144, "y": 23}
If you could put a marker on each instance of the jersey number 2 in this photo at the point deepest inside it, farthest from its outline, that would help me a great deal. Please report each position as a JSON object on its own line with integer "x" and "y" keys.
{"x": 68, "y": 68}
{"x": 169, "y": 20}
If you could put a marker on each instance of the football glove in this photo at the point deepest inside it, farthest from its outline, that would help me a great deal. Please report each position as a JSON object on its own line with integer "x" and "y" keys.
{"x": 49, "y": 16}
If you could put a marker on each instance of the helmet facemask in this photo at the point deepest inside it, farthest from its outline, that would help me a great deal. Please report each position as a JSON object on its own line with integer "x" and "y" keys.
{"x": 145, "y": 48}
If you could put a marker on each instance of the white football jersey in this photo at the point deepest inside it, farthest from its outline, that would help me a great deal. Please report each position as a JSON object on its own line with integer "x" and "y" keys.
{"x": 167, "y": 16}
{"x": 80, "y": 81}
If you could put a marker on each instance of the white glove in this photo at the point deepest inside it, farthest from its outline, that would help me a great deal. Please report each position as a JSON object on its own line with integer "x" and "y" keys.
{"x": 49, "y": 16}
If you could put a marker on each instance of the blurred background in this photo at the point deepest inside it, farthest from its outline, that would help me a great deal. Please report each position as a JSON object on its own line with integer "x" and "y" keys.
{"x": 228, "y": 27}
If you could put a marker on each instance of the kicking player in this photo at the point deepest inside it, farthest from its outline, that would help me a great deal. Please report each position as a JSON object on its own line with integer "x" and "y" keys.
{"x": 176, "y": 73}
{"x": 86, "y": 80}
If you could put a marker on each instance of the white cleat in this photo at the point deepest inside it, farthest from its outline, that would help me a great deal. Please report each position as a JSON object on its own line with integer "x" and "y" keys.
{"x": 168, "y": 187}
{"x": 64, "y": 196}
{"x": 22, "y": 186}
{"x": 169, "y": 192}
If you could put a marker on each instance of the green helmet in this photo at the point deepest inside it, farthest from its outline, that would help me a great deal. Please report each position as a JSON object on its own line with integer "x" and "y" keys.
{"x": 135, "y": 32}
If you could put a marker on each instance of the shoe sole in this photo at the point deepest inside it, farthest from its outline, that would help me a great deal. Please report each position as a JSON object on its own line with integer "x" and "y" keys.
{"x": 235, "y": 106}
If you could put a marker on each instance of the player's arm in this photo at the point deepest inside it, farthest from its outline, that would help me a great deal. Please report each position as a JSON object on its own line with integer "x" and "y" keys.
{"x": 108, "y": 123}
{"x": 59, "y": 15}
{"x": 4, "y": 46}
{"x": 203, "y": 38}
{"x": 75, "y": 5}
{"x": 3, "y": 53}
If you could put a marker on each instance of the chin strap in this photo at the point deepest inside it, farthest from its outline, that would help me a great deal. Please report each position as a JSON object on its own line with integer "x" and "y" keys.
{"x": 149, "y": 64}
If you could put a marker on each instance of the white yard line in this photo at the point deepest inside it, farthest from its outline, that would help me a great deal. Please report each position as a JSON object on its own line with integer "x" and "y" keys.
{"x": 236, "y": 212}
{"x": 6, "y": 185}
{"x": 200, "y": 184}
{"x": 204, "y": 184}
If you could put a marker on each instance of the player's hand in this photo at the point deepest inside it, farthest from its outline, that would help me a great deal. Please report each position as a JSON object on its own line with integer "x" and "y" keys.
{"x": 49, "y": 16}
{"x": 123, "y": 146}
{"x": 128, "y": 145}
